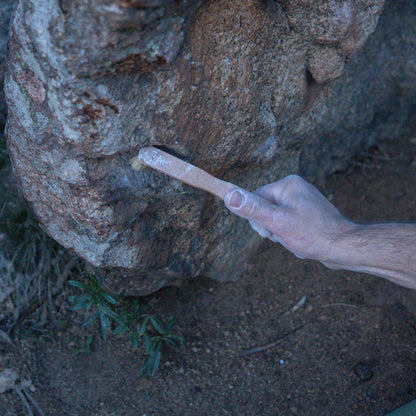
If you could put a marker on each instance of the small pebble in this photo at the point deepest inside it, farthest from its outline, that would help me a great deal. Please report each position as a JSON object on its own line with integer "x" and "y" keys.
{"x": 27, "y": 384}
{"x": 8, "y": 378}
{"x": 363, "y": 371}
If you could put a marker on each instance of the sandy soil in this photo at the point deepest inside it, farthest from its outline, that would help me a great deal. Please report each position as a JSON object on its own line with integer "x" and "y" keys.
{"x": 342, "y": 343}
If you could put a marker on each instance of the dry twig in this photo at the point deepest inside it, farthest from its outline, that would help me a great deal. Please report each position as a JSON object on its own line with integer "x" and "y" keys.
{"x": 268, "y": 346}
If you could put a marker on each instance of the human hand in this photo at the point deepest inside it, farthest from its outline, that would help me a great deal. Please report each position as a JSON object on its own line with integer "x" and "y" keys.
{"x": 294, "y": 213}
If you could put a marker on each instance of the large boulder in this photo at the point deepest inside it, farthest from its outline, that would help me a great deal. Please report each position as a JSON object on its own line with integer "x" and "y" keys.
{"x": 249, "y": 90}
{"x": 6, "y": 7}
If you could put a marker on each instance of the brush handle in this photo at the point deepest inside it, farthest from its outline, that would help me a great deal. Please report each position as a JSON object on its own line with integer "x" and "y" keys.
{"x": 184, "y": 171}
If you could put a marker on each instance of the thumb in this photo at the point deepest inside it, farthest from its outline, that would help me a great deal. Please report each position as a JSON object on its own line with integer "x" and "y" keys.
{"x": 252, "y": 207}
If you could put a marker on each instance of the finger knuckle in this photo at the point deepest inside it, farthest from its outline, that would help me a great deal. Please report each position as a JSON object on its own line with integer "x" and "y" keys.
{"x": 294, "y": 184}
{"x": 253, "y": 209}
{"x": 295, "y": 180}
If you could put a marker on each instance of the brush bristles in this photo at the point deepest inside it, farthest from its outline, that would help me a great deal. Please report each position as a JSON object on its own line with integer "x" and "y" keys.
{"x": 136, "y": 164}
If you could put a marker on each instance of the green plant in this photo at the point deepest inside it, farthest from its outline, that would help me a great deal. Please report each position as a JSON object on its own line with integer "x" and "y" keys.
{"x": 167, "y": 335}
{"x": 129, "y": 316}
{"x": 85, "y": 347}
{"x": 97, "y": 302}
{"x": 132, "y": 316}
{"x": 156, "y": 334}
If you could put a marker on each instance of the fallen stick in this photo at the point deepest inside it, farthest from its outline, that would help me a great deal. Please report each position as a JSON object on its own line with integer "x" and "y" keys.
{"x": 268, "y": 346}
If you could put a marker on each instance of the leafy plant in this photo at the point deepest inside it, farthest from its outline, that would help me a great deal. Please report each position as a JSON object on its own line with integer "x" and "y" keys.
{"x": 129, "y": 317}
{"x": 97, "y": 302}
{"x": 85, "y": 347}
{"x": 167, "y": 335}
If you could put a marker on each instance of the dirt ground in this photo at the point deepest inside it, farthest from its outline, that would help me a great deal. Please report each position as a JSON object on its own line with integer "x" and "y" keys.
{"x": 342, "y": 343}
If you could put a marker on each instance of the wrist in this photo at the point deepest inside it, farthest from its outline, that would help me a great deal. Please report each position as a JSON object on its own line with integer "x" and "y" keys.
{"x": 342, "y": 251}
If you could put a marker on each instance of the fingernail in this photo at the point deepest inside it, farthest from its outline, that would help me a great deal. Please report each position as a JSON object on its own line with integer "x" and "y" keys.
{"x": 236, "y": 199}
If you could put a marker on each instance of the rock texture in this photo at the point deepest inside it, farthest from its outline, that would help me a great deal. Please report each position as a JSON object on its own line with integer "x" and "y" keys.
{"x": 6, "y": 8}
{"x": 248, "y": 90}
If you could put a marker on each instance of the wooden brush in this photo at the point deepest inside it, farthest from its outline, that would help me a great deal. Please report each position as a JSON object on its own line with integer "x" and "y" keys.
{"x": 179, "y": 169}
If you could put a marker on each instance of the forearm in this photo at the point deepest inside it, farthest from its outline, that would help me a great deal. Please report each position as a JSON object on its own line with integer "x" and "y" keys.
{"x": 294, "y": 213}
{"x": 386, "y": 250}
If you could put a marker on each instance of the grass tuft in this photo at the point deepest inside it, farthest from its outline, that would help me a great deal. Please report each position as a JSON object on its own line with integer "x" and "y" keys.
{"x": 34, "y": 268}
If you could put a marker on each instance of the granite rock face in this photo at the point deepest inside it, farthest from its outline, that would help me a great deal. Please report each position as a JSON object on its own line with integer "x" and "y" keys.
{"x": 6, "y": 8}
{"x": 249, "y": 90}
